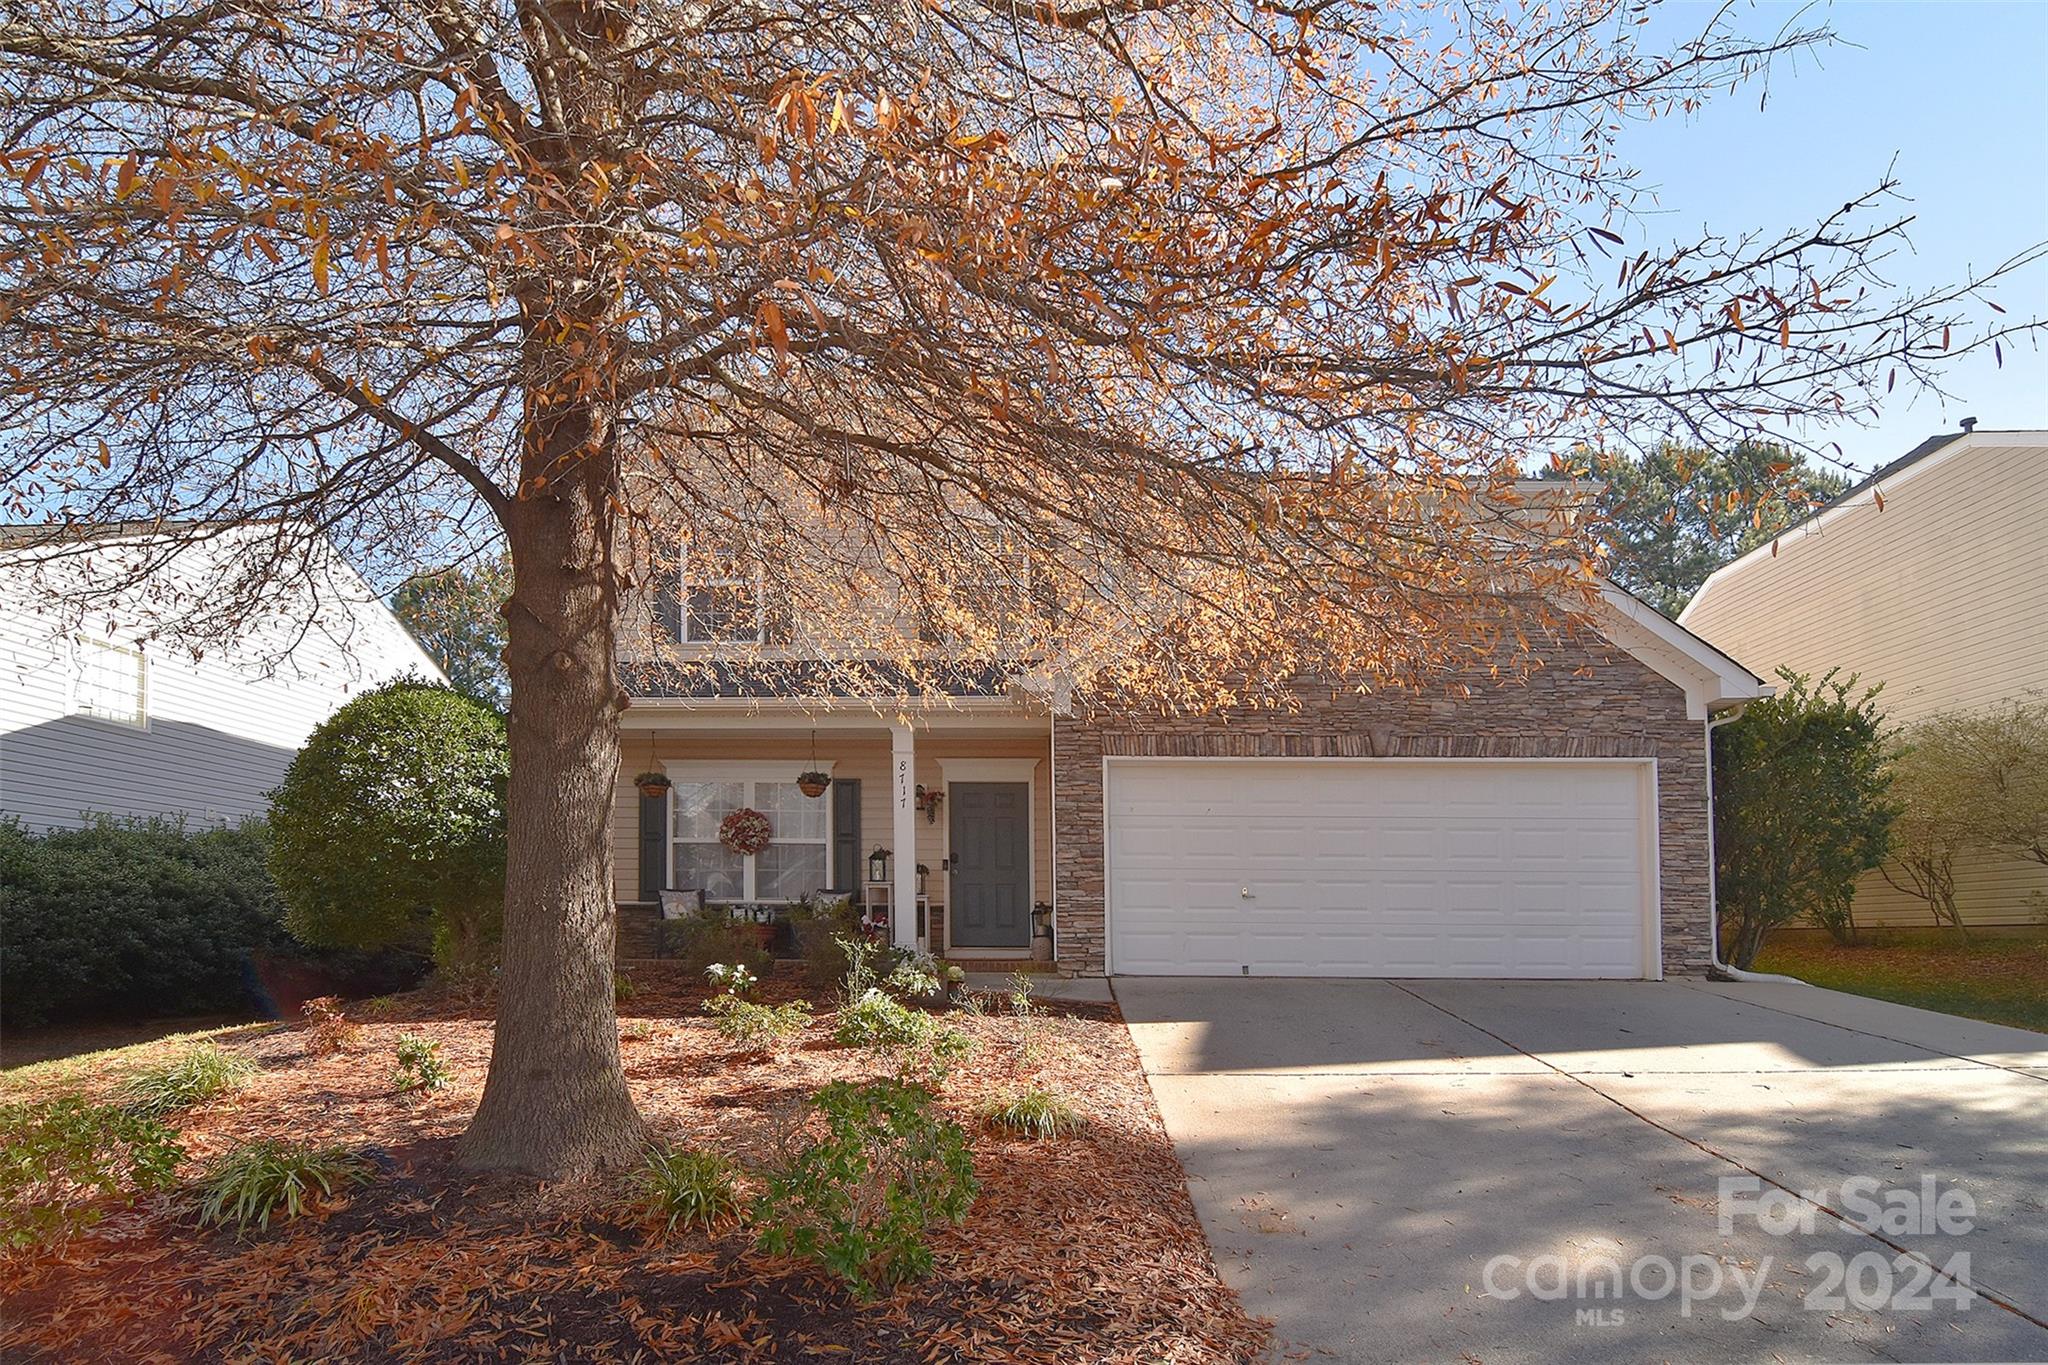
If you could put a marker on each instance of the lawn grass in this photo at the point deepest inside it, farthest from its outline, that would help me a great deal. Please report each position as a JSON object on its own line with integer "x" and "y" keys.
{"x": 73, "y": 1066}
{"x": 1998, "y": 980}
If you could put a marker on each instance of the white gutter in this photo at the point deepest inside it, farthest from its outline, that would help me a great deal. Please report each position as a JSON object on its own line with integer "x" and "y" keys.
{"x": 1715, "y": 966}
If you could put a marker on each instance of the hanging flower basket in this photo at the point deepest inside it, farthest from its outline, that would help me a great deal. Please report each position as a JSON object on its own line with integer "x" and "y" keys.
{"x": 813, "y": 783}
{"x": 746, "y": 831}
{"x": 652, "y": 784}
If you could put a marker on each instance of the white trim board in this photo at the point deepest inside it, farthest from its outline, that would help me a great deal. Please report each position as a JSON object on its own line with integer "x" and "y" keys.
{"x": 1711, "y": 679}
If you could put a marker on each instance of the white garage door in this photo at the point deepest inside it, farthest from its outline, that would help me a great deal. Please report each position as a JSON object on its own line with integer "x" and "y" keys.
{"x": 1394, "y": 867}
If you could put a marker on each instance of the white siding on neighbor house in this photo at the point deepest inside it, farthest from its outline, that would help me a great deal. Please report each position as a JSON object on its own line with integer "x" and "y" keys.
{"x": 1941, "y": 595}
{"x": 219, "y": 730}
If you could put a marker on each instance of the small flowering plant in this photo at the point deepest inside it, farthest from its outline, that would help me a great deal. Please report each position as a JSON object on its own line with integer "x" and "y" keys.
{"x": 733, "y": 979}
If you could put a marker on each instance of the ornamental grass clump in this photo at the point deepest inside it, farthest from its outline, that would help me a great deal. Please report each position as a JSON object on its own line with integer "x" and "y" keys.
{"x": 201, "y": 1072}
{"x": 1033, "y": 1112}
{"x": 264, "y": 1180}
{"x": 689, "y": 1188}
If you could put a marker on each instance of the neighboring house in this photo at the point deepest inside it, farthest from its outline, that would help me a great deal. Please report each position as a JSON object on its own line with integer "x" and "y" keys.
{"x": 1930, "y": 577}
{"x": 1553, "y": 827}
{"x": 102, "y": 714}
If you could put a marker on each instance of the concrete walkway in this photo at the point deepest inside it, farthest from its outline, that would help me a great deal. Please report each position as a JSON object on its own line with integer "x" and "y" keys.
{"x": 1362, "y": 1151}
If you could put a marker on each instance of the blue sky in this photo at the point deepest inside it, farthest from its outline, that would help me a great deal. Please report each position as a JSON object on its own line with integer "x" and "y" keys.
{"x": 1954, "y": 94}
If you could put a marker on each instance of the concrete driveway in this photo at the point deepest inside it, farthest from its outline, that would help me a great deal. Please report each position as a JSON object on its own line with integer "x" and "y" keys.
{"x": 1425, "y": 1170}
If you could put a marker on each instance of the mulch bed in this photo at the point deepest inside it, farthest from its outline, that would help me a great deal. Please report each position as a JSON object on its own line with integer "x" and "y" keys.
{"x": 1082, "y": 1249}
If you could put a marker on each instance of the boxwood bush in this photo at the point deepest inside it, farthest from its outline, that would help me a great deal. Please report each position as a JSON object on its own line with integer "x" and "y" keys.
{"x": 390, "y": 826}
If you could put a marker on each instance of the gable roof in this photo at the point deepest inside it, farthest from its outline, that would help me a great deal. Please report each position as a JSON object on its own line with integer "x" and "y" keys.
{"x": 1712, "y": 680}
{"x": 54, "y": 536}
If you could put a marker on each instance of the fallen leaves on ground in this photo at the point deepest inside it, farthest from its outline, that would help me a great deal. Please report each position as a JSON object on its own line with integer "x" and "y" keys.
{"x": 1999, "y": 980}
{"x": 1081, "y": 1249}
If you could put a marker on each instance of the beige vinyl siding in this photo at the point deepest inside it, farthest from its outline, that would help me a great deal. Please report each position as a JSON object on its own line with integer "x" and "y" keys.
{"x": 1941, "y": 595}
{"x": 1991, "y": 891}
{"x": 858, "y": 754}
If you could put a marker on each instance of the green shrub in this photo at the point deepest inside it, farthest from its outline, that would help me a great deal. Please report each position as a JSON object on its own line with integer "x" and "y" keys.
{"x": 1033, "y": 1112}
{"x": 1800, "y": 807}
{"x": 758, "y": 1027}
{"x": 687, "y": 1188}
{"x": 622, "y": 988}
{"x": 820, "y": 929}
{"x": 876, "y": 1020}
{"x": 196, "y": 1074}
{"x": 923, "y": 1046}
{"x": 858, "y": 1199}
{"x": 905, "y": 973}
{"x": 732, "y": 978}
{"x": 265, "y": 1180}
{"x": 135, "y": 919}
{"x": 60, "y": 1159}
{"x": 419, "y": 1064}
{"x": 390, "y": 826}
{"x": 916, "y": 975}
{"x": 714, "y": 937}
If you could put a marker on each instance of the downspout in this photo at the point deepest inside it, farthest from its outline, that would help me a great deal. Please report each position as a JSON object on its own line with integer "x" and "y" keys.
{"x": 1717, "y": 970}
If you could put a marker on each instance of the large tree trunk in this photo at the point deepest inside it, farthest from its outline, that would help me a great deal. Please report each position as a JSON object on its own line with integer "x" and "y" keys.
{"x": 555, "y": 1103}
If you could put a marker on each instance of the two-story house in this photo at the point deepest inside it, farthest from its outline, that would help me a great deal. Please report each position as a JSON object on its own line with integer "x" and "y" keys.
{"x": 1553, "y": 826}
{"x": 1930, "y": 577}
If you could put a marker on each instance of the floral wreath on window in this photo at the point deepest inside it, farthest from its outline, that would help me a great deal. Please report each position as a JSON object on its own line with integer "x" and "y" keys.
{"x": 746, "y": 831}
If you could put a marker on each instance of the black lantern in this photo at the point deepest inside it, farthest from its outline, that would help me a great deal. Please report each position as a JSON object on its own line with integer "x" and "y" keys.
{"x": 878, "y": 865}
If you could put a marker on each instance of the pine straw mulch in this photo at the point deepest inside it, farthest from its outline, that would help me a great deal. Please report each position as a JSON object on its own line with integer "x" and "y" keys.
{"x": 1082, "y": 1249}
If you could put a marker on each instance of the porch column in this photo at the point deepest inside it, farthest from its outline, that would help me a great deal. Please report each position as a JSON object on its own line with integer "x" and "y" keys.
{"x": 903, "y": 777}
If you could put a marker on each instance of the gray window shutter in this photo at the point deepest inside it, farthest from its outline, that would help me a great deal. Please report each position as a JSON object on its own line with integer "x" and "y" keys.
{"x": 653, "y": 850}
{"x": 846, "y": 834}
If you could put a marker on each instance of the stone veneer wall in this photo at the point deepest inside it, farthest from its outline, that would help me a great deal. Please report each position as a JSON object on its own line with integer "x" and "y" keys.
{"x": 1587, "y": 700}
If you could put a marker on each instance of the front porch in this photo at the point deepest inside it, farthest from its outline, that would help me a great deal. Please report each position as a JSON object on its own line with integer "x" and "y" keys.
{"x": 967, "y": 790}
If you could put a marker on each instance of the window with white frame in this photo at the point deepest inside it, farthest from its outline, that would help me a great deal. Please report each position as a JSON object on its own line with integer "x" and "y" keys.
{"x": 721, "y": 596}
{"x": 107, "y": 682}
{"x": 988, "y": 591}
{"x": 798, "y": 858}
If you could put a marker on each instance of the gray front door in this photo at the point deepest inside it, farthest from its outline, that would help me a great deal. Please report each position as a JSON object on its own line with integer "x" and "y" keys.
{"x": 991, "y": 852}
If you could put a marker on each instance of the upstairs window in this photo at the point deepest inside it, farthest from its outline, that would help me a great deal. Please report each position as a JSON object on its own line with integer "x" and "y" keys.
{"x": 721, "y": 596}
{"x": 107, "y": 682}
{"x": 990, "y": 590}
